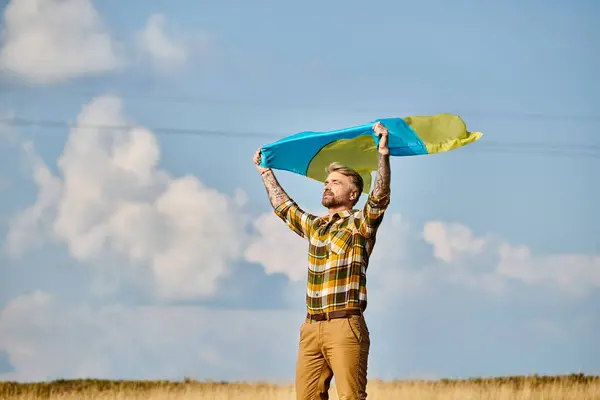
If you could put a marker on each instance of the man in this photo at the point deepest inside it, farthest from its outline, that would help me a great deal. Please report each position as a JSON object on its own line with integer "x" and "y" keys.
{"x": 334, "y": 338}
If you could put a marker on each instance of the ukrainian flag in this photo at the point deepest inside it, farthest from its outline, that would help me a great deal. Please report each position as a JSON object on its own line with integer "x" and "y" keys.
{"x": 309, "y": 153}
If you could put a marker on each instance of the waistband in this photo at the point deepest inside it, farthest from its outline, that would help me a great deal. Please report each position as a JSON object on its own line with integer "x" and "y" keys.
{"x": 345, "y": 313}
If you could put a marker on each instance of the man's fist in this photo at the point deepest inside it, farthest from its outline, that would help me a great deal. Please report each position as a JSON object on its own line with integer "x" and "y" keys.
{"x": 257, "y": 162}
{"x": 382, "y": 132}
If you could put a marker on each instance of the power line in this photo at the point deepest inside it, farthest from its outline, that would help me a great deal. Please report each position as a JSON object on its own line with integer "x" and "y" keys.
{"x": 562, "y": 149}
{"x": 187, "y": 99}
{"x": 534, "y": 151}
{"x": 544, "y": 145}
{"x": 22, "y": 122}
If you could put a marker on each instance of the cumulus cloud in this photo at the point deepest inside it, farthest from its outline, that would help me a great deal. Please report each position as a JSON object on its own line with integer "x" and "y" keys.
{"x": 52, "y": 41}
{"x": 573, "y": 273}
{"x": 47, "y": 41}
{"x": 28, "y": 226}
{"x": 111, "y": 198}
{"x": 451, "y": 241}
{"x": 276, "y": 249}
{"x": 395, "y": 270}
{"x": 490, "y": 262}
{"x": 165, "y": 48}
{"x": 48, "y": 339}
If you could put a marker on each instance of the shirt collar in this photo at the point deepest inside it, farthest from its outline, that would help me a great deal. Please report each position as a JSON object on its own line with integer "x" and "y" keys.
{"x": 338, "y": 215}
{"x": 344, "y": 213}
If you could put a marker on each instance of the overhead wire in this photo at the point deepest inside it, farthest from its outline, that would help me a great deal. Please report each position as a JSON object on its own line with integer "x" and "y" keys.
{"x": 560, "y": 149}
{"x": 26, "y": 122}
{"x": 254, "y": 103}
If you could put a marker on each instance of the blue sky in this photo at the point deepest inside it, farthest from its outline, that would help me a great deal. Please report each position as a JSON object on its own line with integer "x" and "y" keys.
{"x": 127, "y": 253}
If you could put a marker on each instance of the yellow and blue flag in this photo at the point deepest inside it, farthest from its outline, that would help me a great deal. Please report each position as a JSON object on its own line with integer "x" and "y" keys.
{"x": 309, "y": 153}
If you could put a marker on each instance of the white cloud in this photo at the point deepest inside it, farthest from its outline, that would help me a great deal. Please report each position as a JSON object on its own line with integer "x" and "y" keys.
{"x": 47, "y": 41}
{"x": 277, "y": 248}
{"x": 573, "y": 273}
{"x": 165, "y": 48}
{"x": 490, "y": 263}
{"x": 394, "y": 273}
{"x": 48, "y": 339}
{"x": 28, "y": 226}
{"x": 451, "y": 241}
{"x": 112, "y": 199}
{"x": 52, "y": 41}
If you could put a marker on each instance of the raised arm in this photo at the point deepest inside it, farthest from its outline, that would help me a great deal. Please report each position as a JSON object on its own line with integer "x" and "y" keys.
{"x": 274, "y": 190}
{"x": 285, "y": 208}
{"x": 277, "y": 195}
{"x": 379, "y": 199}
{"x": 382, "y": 181}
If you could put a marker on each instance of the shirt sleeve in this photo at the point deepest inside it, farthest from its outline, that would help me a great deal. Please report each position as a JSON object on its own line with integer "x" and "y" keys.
{"x": 295, "y": 218}
{"x": 372, "y": 214}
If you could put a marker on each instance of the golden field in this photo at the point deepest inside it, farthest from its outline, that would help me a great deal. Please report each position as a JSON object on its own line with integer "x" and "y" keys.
{"x": 569, "y": 387}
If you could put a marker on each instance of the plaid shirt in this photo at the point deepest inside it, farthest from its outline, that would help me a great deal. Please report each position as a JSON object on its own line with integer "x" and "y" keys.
{"x": 338, "y": 252}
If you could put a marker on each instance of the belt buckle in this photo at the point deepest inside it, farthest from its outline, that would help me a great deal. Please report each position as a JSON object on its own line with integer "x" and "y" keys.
{"x": 321, "y": 316}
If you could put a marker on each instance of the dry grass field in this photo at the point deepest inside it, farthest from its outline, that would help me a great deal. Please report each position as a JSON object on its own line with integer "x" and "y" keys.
{"x": 570, "y": 387}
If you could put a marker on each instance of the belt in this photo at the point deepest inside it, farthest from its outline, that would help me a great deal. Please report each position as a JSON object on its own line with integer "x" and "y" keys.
{"x": 334, "y": 314}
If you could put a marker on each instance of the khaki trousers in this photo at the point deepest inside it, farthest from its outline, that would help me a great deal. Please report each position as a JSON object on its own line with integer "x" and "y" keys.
{"x": 337, "y": 347}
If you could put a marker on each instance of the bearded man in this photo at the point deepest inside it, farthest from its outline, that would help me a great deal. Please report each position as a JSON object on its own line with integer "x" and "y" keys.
{"x": 334, "y": 338}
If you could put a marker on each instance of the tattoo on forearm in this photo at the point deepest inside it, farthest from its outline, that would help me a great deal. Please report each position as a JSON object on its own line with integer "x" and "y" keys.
{"x": 382, "y": 182}
{"x": 275, "y": 192}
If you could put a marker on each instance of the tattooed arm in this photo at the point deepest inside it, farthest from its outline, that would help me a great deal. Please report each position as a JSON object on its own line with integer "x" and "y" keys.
{"x": 274, "y": 190}
{"x": 382, "y": 182}
{"x": 277, "y": 195}
{"x": 379, "y": 199}
{"x": 285, "y": 208}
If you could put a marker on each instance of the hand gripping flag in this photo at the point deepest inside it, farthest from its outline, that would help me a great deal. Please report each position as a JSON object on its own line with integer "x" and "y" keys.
{"x": 309, "y": 153}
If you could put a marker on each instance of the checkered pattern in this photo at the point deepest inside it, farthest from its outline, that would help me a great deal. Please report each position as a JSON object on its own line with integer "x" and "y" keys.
{"x": 338, "y": 252}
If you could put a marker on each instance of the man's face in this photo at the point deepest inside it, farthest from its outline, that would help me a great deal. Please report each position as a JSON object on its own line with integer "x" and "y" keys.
{"x": 337, "y": 191}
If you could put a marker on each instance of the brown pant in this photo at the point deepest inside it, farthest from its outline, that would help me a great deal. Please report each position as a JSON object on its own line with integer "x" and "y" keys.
{"x": 336, "y": 347}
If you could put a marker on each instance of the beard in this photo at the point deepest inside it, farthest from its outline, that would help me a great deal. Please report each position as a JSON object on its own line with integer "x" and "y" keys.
{"x": 329, "y": 200}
